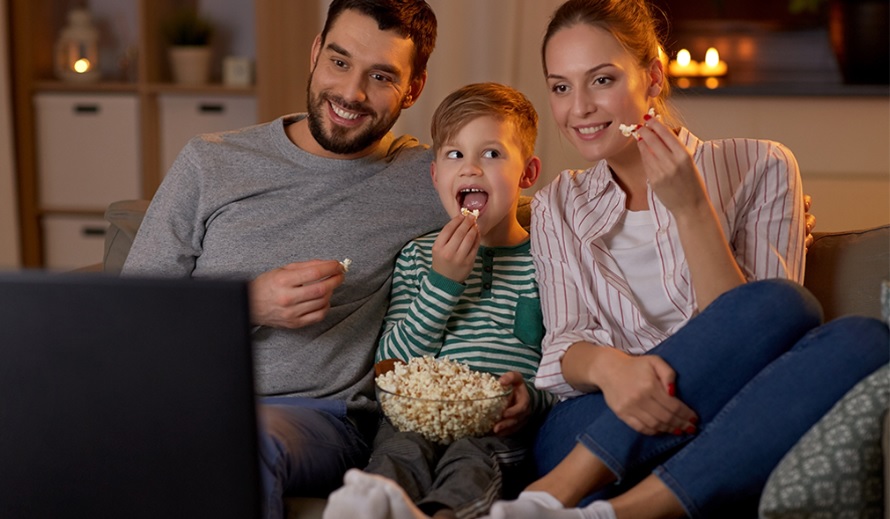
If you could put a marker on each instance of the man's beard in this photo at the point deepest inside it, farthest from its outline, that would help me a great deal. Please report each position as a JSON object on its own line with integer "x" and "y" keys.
{"x": 339, "y": 140}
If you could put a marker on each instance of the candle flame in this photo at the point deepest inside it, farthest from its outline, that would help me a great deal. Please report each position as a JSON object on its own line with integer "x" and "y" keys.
{"x": 82, "y": 65}
{"x": 683, "y": 57}
{"x": 712, "y": 57}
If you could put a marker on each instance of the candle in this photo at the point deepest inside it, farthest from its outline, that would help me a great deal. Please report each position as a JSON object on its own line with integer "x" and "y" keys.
{"x": 81, "y": 66}
{"x": 684, "y": 65}
{"x": 713, "y": 66}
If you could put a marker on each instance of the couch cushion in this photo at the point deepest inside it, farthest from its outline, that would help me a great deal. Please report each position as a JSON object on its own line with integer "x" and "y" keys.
{"x": 845, "y": 270}
{"x": 836, "y": 469}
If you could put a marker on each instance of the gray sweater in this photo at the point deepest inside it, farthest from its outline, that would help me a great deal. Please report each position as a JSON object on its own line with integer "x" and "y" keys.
{"x": 236, "y": 204}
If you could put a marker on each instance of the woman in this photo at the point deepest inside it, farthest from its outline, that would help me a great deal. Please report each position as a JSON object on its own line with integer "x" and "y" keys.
{"x": 687, "y": 357}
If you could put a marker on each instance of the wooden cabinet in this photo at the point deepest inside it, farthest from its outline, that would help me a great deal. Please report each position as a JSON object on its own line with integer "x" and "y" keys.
{"x": 71, "y": 164}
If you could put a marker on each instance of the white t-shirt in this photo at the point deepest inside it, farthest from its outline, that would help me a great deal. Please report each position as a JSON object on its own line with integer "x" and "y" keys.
{"x": 632, "y": 243}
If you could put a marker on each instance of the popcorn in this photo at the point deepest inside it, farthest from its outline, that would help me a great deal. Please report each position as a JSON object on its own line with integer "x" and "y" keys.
{"x": 345, "y": 264}
{"x": 631, "y": 129}
{"x": 464, "y": 211}
{"x": 441, "y": 399}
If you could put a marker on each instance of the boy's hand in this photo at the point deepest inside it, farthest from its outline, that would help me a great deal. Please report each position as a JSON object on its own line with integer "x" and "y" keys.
{"x": 454, "y": 251}
{"x": 518, "y": 409}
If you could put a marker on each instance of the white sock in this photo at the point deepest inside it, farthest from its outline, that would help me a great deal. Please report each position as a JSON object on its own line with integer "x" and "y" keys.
{"x": 357, "y": 499}
{"x": 541, "y": 505}
{"x": 378, "y": 494}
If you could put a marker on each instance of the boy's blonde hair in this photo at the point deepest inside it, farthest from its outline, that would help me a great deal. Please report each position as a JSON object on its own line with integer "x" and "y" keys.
{"x": 492, "y": 99}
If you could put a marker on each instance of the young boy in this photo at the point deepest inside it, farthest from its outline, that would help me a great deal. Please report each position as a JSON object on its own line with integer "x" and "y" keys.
{"x": 468, "y": 292}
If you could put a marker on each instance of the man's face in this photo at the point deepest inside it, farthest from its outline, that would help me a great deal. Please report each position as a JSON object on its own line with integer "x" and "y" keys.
{"x": 359, "y": 84}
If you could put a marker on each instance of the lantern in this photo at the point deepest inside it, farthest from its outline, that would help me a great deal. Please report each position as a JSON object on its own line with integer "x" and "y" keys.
{"x": 77, "y": 49}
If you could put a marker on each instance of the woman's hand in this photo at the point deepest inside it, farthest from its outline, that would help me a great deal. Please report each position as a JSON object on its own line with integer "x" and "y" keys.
{"x": 454, "y": 251}
{"x": 671, "y": 172}
{"x": 518, "y": 409}
{"x": 640, "y": 390}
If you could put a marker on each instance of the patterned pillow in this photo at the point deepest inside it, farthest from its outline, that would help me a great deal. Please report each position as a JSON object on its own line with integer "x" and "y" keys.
{"x": 836, "y": 470}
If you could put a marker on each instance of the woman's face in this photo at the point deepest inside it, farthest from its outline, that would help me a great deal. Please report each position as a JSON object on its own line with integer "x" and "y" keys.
{"x": 595, "y": 86}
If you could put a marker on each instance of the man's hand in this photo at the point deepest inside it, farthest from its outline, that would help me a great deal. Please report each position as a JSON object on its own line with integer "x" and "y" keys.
{"x": 454, "y": 251}
{"x": 810, "y": 220}
{"x": 518, "y": 410}
{"x": 295, "y": 295}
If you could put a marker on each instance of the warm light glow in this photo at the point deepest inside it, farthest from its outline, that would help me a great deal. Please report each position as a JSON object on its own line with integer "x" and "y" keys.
{"x": 82, "y": 65}
{"x": 712, "y": 83}
{"x": 712, "y": 57}
{"x": 683, "y": 57}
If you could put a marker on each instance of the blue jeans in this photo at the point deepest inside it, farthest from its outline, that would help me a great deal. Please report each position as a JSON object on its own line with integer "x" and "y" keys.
{"x": 757, "y": 369}
{"x": 305, "y": 446}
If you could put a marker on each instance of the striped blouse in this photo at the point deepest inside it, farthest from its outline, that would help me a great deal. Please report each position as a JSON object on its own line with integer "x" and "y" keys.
{"x": 492, "y": 322}
{"x": 755, "y": 188}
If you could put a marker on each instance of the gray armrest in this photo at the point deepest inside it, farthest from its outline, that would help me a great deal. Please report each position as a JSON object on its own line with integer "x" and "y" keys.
{"x": 124, "y": 218}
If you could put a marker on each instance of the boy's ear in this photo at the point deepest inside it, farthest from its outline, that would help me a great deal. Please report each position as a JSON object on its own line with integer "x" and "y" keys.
{"x": 316, "y": 50}
{"x": 531, "y": 173}
{"x": 414, "y": 90}
{"x": 433, "y": 174}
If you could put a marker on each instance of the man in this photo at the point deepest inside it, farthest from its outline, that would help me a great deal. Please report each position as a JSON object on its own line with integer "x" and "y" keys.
{"x": 265, "y": 202}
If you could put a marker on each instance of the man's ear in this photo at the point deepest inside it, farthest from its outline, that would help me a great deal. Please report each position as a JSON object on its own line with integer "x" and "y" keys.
{"x": 656, "y": 77}
{"x": 316, "y": 51}
{"x": 414, "y": 90}
{"x": 530, "y": 173}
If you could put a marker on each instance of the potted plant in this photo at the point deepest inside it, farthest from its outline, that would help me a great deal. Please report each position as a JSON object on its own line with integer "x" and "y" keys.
{"x": 188, "y": 35}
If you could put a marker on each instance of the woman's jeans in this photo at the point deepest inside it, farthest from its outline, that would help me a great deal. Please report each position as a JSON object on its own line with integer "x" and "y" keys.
{"x": 757, "y": 369}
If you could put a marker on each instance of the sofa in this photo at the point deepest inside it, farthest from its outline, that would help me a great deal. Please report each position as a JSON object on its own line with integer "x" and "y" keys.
{"x": 844, "y": 270}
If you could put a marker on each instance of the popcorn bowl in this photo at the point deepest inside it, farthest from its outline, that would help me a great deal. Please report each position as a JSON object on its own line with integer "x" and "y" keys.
{"x": 442, "y": 420}
{"x": 442, "y": 399}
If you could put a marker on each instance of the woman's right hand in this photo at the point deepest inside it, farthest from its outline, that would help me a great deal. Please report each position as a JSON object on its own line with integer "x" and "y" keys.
{"x": 640, "y": 390}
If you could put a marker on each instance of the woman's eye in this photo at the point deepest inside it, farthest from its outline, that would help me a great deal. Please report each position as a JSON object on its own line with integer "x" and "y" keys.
{"x": 559, "y": 89}
{"x": 491, "y": 154}
{"x": 453, "y": 154}
{"x": 602, "y": 80}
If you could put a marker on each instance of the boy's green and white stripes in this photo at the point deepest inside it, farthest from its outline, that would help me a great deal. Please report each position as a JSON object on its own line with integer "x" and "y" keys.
{"x": 492, "y": 322}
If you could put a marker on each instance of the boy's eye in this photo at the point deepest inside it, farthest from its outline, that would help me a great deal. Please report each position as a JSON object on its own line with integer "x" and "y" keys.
{"x": 491, "y": 154}
{"x": 454, "y": 154}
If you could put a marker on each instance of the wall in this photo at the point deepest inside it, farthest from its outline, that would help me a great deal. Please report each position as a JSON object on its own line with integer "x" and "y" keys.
{"x": 9, "y": 240}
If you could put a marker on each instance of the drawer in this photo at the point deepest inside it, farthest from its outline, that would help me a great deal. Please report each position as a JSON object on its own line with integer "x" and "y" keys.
{"x": 182, "y": 116}
{"x": 72, "y": 242}
{"x": 87, "y": 149}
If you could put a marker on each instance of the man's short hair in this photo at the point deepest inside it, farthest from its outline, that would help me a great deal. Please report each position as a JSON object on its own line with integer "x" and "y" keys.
{"x": 412, "y": 19}
{"x": 492, "y": 99}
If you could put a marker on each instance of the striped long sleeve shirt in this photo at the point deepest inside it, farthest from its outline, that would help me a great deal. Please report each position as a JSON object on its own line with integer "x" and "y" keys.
{"x": 755, "y": 188}
{"x": 492, "y": 322}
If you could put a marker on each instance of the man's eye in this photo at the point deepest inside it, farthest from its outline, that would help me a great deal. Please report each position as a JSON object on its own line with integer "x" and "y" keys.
{"x": 491, "y": 154}
{"x": 454, "y": 154}
{"x": 380, "y": 77}
{"x": 339, "y": 63}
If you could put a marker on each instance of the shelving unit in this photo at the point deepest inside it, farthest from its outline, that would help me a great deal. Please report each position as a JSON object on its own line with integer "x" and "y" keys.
{"x": 278, "y": 32}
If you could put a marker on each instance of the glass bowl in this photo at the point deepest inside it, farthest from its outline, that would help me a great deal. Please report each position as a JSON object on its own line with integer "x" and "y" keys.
{"x": 443, "y": 420}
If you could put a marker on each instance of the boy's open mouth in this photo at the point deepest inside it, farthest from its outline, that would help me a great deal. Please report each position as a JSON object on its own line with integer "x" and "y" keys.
{"x": 472, "y": 198}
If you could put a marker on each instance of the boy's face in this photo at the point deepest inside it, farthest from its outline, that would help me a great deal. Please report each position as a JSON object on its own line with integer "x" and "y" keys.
{"x": 360, "y": 82}
{"x": 483, "y": 168}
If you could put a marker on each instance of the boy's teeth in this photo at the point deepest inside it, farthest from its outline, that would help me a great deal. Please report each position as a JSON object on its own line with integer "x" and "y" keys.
{"x": 343, "y": 113}
{"x": 591, "y": 129}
